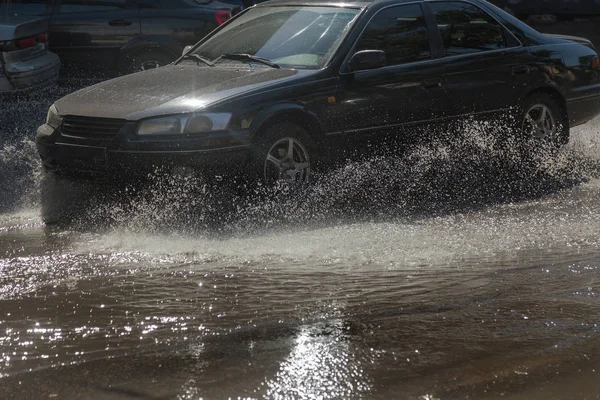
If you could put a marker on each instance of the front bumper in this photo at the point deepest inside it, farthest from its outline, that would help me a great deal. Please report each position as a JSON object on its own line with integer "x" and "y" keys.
{"x": 127, "y": 157}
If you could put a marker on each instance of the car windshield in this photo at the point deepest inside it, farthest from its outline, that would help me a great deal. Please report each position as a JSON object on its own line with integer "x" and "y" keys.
{"x": 292, "y": 37}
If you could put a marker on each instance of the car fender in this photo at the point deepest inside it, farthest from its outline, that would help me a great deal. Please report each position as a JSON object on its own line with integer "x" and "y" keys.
{"x": 295, "y": 112}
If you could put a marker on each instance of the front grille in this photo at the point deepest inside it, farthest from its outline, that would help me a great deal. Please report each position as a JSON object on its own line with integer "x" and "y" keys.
{"x": 91, "y": 127}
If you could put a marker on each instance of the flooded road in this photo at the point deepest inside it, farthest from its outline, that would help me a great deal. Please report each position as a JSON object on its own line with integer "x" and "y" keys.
{"x": 434, "y": 275}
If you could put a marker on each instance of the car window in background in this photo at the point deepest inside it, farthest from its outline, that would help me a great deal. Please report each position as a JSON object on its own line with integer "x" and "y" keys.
{"x": 297, "y": 37}
{"x": 400, "y": 32}
{"x": 24, "y": 7}
{"x": 75, "y": 6}
{"x": 466, "y": 28}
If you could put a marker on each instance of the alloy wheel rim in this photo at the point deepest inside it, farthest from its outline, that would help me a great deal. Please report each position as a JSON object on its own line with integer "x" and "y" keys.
{"x": 287, "y": 160}
{"x": 540, "y": 123}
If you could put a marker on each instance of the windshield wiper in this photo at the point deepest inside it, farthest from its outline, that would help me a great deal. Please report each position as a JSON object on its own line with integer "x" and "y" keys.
{"x": 198, "y": 58}
{"x": 250, "y": 57}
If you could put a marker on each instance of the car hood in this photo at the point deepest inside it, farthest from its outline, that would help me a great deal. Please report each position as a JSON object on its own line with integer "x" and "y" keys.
{"x": 170, "y": 90}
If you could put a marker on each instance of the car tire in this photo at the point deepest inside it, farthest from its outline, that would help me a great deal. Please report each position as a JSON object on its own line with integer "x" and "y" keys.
{"x": 271, "y": 161}
{"x": 145, "y": 60}
{"x": 63, "y": 200}
{"x": 544, "y": 120}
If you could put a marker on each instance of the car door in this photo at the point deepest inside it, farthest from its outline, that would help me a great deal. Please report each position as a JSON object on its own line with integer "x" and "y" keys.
{"x": 91, "y": 32}
{"x": 408, "y": 90}
{"x": 486, "y": 67}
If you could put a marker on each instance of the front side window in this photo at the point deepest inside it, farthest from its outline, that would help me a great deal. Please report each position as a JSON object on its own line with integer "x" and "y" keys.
{"x": 466, "y": 28}
{"x": 295, "y": 37}
{"x": 77, "y": 6}
{"x": 400, "y": 32}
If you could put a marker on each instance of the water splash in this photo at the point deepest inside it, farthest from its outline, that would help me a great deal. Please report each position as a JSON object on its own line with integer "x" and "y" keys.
{"x": 19, "y": 181}
{"x": 472, "y": 166}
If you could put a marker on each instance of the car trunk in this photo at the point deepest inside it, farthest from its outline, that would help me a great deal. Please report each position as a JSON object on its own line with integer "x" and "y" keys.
{"x": 23, "y": 47}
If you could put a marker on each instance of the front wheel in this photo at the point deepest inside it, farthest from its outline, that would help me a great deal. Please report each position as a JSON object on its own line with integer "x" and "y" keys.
{"x": 284, "y": 153}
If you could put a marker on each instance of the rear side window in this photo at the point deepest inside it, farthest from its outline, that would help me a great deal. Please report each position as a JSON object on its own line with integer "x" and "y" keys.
{"x": 76, "y": 6}
{"x": 400, "y": 31}
{"x": 465, "y": 28}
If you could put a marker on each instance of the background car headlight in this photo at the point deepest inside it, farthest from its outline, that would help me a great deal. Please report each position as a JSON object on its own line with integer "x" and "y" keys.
{"x": 53, "y": 118}
{"x": 184, "y": 124}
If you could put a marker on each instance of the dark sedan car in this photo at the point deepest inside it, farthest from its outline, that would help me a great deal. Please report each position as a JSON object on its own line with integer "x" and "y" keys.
{"x": 122, "y": 35}
{"x": 286, "y": 83}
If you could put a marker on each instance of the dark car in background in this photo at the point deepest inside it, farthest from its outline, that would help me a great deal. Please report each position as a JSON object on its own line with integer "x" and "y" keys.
{"x": 25, "y": 62}
{"x": 122, "y": 35}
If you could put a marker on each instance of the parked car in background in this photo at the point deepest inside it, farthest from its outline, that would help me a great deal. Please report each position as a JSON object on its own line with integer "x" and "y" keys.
{"x": 122, "y": 35}
{"x": 25, "y": 61}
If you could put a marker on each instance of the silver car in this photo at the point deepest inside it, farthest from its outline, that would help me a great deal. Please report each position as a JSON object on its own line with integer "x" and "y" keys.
{"x": 25, "y": 62}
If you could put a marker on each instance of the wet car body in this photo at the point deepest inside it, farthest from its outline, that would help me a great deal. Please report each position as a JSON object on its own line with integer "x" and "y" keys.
{"x": 25, "y": 62}
{"x": 338, "y": 107}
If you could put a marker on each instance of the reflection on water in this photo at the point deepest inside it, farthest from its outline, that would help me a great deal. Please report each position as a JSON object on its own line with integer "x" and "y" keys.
{"x": 453, "y": 279}
{"x": 321, "y": 364}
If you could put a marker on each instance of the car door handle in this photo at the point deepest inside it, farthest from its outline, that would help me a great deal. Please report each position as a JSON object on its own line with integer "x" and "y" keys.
{"x": 520, "y": 70}
{"x": 432, "y": 83}
{"x": 119, "y": 22}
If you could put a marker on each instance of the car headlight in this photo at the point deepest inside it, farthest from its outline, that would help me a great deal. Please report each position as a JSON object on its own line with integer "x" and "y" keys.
{"x": 53, "y": 118}
{"x": 184, "y": 124}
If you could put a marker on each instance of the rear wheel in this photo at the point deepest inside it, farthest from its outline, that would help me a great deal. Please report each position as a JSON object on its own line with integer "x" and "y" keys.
{"x": 544, "y": 120}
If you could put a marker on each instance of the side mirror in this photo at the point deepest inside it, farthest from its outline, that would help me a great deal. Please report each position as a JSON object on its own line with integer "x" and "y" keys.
{"x": 186, "y": 49}
{"x": 367, "y": 59}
